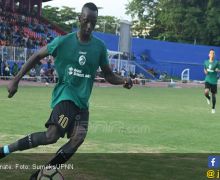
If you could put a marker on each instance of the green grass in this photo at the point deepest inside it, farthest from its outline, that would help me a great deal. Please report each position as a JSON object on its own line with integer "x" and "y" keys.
{"x": 140, "y": 120}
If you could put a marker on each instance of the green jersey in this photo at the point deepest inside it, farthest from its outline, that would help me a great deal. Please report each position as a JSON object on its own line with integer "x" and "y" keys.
{"x": 76, "y": 64}
{"x": 211, "y": 67}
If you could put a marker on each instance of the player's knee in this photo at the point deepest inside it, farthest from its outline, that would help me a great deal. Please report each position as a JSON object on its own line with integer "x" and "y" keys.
{"x": 78, "y": 139}
{"x": 81, "y": 138}
{"x": 213, "y": 94}
{"x": 206, "y": 92}
{"x": 51, "y": 138}
{"x": 52, "y": 135}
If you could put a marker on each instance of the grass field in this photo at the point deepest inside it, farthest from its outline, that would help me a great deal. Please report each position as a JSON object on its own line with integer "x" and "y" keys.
{"x": 140, "y": 120}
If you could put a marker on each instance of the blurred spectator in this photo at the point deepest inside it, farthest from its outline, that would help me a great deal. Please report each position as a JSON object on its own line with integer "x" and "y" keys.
{"x": 115, "y": 70}
{"x": 55, "y": 78}
{"x": 125, "y": 56}
{"x": 49, "y": 64}
{"x": 6, "y": 71}
{"x": 38, "y": 68}
{"x": 42, "y": 72}
{"x": 133, "y": 76}
{"x": 49, "y": 75}
{"x": 33, "y": 72}
{"x": 163, "y": 76}
{"x": 123, "y": 72}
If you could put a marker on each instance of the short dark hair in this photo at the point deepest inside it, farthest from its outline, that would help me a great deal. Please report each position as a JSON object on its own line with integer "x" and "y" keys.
{"x": 91, "y": 6}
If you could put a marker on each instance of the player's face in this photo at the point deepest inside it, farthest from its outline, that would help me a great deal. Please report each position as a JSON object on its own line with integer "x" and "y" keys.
{"x": 88, "y": 19}
{"x": 211, "y": 54}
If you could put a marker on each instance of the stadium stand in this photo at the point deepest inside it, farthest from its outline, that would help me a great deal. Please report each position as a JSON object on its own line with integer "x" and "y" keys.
{"x": 160, "y": 58}
{"x": 22, "y": 32}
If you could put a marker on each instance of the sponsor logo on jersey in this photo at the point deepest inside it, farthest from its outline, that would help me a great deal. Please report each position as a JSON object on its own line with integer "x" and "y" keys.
{"x": 82, "y": 60}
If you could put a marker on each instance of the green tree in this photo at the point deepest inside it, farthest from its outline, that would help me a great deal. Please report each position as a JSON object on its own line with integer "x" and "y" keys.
{"x": 143, "y": 12}
{"x": 107, "y": 24}
{"x": 213, "y": 22}
{"x": 179, "y": 21}
{"x": 192, "y": 21}
{"x": 67, "y": 18}
{"x": 64, "y": 17}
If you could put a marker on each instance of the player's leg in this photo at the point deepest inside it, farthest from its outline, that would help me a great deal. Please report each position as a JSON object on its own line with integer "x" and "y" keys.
{"x": 33, "y": 140}
{"x": 63, "y": 117}
{"x": 77, "y": 134}
{"x": 213, "y": 102}
{"x": 213, "y": 91}
{"x": 206, "y": 92}
{"x": 67, "y": 150}
{"x": 57, "y": 125}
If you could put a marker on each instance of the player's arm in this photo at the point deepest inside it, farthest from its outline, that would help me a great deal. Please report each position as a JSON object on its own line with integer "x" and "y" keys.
{"x": 218, "y": 68}
{"x": 205, "y": 68}
{"x": 116, "y": 79}
{"x": 31, "y": 62}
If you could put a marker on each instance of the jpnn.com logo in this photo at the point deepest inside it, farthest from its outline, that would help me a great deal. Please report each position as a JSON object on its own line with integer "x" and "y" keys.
{"x": 213, "y": 163}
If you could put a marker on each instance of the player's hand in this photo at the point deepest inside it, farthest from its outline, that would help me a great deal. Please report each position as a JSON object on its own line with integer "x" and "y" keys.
{"x": 12, "y": 88}
{"x": 128, "y": 83}
{"x": 217, "y": 70}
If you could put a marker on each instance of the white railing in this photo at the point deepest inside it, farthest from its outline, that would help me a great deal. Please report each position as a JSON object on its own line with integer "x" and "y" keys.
{"x": 15, "y": 53}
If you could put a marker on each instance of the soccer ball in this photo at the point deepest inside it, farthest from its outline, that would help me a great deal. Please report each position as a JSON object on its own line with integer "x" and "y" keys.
{"x": 50, "y": 174}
